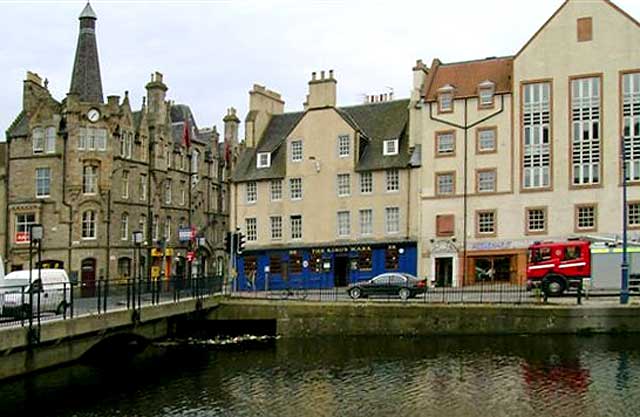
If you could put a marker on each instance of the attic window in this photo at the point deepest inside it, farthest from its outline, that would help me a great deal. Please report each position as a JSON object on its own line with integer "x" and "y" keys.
{"x": 264, "y": 160}
{"x": 445, "y": 99}
{"x": 390, "y": 147}
{"x": 486, "y": 90}
{"x": 585, "y": 29}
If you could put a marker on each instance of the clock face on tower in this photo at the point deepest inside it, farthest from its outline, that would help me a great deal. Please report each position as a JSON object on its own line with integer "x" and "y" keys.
{"x": 93, "y": 115}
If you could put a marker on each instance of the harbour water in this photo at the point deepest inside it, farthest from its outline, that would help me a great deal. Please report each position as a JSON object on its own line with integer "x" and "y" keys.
{"x": 381, "y": 376}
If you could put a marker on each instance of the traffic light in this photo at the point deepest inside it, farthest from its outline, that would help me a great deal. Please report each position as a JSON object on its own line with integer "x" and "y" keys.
{"x": 240, "y": 241}
{"x": 228, "y": 237}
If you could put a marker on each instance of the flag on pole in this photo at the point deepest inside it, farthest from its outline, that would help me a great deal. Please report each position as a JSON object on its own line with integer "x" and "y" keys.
{"x": 186, "y": 135}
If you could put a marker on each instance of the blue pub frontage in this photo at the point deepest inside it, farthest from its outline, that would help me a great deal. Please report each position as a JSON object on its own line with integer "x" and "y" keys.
{"x": 322, "y": 267}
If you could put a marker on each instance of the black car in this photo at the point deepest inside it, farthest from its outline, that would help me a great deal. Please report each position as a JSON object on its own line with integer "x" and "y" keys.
{"x": 395, "y": 283}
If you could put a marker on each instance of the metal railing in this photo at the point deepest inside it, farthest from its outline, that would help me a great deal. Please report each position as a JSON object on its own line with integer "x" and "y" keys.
{"x": 500, "y": 292}
{"x": 63, "y": 300}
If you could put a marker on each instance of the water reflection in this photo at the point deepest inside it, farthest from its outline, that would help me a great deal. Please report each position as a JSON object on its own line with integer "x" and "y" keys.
{"x": 510, "y": 376}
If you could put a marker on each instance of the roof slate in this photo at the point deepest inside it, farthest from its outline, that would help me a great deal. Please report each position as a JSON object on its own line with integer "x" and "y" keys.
{"x": 466, "y": 76}
{"x": 19, "y": 127}
{"x": 376, "y": 122}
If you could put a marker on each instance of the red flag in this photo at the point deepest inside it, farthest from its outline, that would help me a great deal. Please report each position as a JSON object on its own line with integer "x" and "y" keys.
{"x": 186, "y": 136}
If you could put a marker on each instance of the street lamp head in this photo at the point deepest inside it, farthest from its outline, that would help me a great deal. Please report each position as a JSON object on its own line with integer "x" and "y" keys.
{"x": 137, "y": 237}
{"x": 36, "y": 232}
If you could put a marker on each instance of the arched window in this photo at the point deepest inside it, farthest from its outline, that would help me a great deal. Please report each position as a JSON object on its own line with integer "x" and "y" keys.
{"x": 89, "y": 224}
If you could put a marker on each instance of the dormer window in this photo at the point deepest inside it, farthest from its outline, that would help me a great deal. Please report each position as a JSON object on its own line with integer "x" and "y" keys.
{"x": 390, "y": 147}
{"x": 445, "y": 99}
{"x": 264, "y": 160}
{"x": 486, "y": 91}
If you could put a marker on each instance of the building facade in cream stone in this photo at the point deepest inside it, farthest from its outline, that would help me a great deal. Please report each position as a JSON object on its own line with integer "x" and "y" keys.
{"x": 528, "y": 147}
{"x": 92, "y": 172}
{"x": 325, "y": 196}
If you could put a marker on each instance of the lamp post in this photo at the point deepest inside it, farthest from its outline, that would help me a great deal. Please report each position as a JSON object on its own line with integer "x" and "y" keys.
{"x": 36, "y": 234}
{"x": 137, "y": 238}
{"x": 624, "y": 284}
{"x": 201, "y": 244}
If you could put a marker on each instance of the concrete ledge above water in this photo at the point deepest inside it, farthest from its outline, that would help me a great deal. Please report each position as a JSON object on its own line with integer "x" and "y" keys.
{"x": 303, "y": 319}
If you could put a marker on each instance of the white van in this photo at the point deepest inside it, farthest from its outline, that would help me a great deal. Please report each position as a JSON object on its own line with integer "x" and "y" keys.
{"x": 53, "y": 285}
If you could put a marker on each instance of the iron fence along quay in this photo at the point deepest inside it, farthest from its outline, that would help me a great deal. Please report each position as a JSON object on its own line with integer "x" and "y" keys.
{"x": 479, "y": 293}
{"x": 72, "y": 300}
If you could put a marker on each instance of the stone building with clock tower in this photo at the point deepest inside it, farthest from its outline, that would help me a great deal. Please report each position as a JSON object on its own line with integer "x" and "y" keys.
{"x": 93, "y": 171}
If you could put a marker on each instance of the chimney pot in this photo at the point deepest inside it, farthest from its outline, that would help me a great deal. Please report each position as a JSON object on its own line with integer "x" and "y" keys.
{"x": 331, "y": 74}
{"x": 322, "y": 75}
{"x": 313, "y": 76}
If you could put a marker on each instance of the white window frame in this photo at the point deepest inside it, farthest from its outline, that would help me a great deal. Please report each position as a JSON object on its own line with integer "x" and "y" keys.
{"x": 251, "y": 192}
{"x": 390, "y": 147}
{"x": 295, "y": 189}
{"x": 392, "y": 220}
{"x": 366, "y": 222}
{"x": 23, "y": 223}
{"x": 183, "y": 193}
{"x": 37, "y": 138}
{"x": 633, "y": 214}
{"x": 263, "y": 160}
{"x": 483, "y": 222}
{"x": 343, "y": 185}
{"x": 343, "y": 221}
{"x": 344, "y": 146}
{"x": 586, "y": 121}
{"x": 50, "y": 139}
{"x": 486, "y": 96}
{"x": 445, "y": 102}
{"x": 143, "y": 187}
{"x": 441, "y": 183}
{"x": 536, "y": 120}
{"x": 89, "y": 221}
{"x": 276, "y": 227}
{"x": 366, "y": 182}
{"x": 125, "y": 184}
{"x": 536, "y": 217}
{"x": 450, "y": 148}
{"x": 167, "y": 191}
{"x": 295, "y": 221}
{"x": 89, "y": 180}
{"x": 482, "y": 182}
{"x": 43, "y": 182}
{"x": 392, "y": 180}
{"x": 483, "y": 138}
{"x": 631, "y": 121}
{"x": 296, "y": 151}
{"x": 82, "y": 138}
{"x": 251, "y": 226}
{"x": 124, "y": 227}
{"x": 276, "y": 190}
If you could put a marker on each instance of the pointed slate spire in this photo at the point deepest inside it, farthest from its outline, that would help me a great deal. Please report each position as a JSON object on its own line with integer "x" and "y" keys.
{"x": 86, "y": 81}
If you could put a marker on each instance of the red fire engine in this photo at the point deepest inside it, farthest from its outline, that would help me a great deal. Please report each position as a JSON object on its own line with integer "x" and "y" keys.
{"x": 556, "y": 267}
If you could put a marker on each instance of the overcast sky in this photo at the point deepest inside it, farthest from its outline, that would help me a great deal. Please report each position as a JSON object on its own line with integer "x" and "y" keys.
{"x": 212, "y": 52}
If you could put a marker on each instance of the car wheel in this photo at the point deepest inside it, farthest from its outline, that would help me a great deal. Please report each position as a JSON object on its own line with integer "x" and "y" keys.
{"x": 62, "y": 308}
{"x": 355, "y": 293}
{"x": 554, "y": 285}
{"x": 404, "y": 293}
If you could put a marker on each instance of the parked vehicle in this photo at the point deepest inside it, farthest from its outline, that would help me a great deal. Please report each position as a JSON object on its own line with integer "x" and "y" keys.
{"x": 556, "y": 267}
{"x": 53, "y": 285}
{"x": 389, "y": 284}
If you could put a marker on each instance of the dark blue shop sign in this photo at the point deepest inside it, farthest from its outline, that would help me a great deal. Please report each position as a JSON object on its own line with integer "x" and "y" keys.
{"x": 344, "y": 249}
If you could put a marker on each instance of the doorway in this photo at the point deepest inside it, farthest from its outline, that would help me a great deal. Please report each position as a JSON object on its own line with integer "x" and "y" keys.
{"x": 444, "y": 272}
{"x": 88, "y": 278}
{"x": 341, "y": 271}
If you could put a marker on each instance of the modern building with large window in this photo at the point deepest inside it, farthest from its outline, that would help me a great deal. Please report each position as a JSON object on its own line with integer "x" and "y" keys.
{"x": 92, "y": 172}
{"x": 325, "y": 196}
{"x": 528, "y": 147}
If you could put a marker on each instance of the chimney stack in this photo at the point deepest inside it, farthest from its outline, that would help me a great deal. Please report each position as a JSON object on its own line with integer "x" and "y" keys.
{"x": 322, "y": 92}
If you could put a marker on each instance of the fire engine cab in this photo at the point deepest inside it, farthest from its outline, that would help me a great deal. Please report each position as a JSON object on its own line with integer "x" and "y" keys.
{"x": 556, "y": 267}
